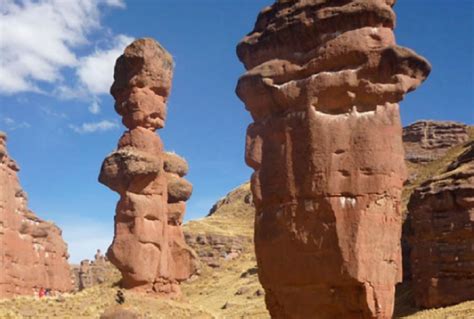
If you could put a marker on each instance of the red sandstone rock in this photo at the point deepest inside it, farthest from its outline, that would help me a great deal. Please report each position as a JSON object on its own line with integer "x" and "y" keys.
{"x": 425, "y": 141}
{"x": 323, "y": 82}
{"x": 33, "y": 253}
{"x": 148, "y": 247}
{"x": 442, "y": 222}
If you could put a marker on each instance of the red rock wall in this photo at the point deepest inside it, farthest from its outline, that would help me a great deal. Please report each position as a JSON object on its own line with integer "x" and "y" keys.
{"x": 32, "y": 251}
{"x": 322, "y": 84}
{"x": 442, "y": 221}
{"x": 148, "y": 246}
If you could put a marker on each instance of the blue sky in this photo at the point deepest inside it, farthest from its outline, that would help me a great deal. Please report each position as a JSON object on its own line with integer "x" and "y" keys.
{"x": 56, "y": 67}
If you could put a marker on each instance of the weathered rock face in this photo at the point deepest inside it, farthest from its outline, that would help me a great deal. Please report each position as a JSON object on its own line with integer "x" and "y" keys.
{"x": 442, "y": 221}
{"x": 425, "y": 141}
{"x": 33, "y": 253}
{"x": 323, "y": 82}
{"x": 148, "y": 247}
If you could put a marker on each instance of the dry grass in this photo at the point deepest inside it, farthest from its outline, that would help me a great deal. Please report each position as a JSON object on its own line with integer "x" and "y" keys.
{"x": 234, "y": 218}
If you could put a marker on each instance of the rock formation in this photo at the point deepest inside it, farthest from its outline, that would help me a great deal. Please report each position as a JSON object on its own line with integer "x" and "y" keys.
{"x": 322, "y": 84}
{"x": 33, "y": 254}
{"x": 93, "y": 272}
{"x": 148, "y": 246}
{"x": 442, "y": 222}
{"x": 426, "y": 141}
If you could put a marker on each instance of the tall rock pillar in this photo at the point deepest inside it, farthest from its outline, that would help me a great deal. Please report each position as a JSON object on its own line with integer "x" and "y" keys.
{"x": 322, "y": 85}
{"x": 144, "y": 248}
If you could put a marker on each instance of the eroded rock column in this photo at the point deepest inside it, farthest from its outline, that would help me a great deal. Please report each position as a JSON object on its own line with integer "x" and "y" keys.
{"x": 144, "y": 247}
{"x": 322, "y": 84}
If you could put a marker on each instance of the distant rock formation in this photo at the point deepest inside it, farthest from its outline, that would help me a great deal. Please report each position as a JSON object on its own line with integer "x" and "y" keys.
{"x": 442, "y": 222}
{"x": 323, "y": 82}
{"x": 148, "y": 246}
{"x": 93, "y": 272}
{"x": 33, "y": 254}
{"x": 425, "y": 141}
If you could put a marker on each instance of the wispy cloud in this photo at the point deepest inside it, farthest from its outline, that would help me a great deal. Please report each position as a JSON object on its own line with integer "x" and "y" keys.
{"x": 94, "y": 108}
{"x": 51, "y": 113}
{"x": 102, "y": 126}
{"x": 11, "y": 124}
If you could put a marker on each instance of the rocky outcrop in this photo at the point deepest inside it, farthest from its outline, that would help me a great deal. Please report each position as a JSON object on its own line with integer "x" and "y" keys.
{"x": 442, "y": 222}
{"x": 33, "y": 254}
{"x": 322, "y": 85}
{"x": 148, "y": 246}
{"x": 93, "y": 272}
{"x": 425, "y": 141}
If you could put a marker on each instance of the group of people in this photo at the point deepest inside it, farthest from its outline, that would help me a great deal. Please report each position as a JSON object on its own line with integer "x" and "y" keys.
{"x": 44, "y": 292}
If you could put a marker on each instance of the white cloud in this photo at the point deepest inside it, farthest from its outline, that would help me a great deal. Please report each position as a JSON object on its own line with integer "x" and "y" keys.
{"x": 95, "y": 72}
{"x": 94, "y": 108}
{"x": 11, "y": 124}
{"x": 101, "y": 126}
{"x": 38, "y": 39}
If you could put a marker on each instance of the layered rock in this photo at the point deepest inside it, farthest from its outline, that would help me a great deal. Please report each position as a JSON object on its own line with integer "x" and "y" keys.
{"x": 442, "y": 222}
{"x": 322, "y": 84}
{"x": 33, "y": 254}
{"x": 425, "y": 141}
{"x": 148, "y": 246}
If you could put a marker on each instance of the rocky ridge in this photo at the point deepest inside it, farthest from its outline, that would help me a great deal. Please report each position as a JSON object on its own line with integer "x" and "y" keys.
{"x": 425, "y": 141}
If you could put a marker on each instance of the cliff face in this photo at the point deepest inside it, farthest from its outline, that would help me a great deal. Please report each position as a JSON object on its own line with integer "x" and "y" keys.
{"x": 33, "y": 253}
{"x": 441, "y": 212}
{"x": 322, "y": 85}
{"x": 425, "y": 141}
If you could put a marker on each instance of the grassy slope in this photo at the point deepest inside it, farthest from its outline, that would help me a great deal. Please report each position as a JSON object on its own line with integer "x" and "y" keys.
{"x": 224, "y": 292}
